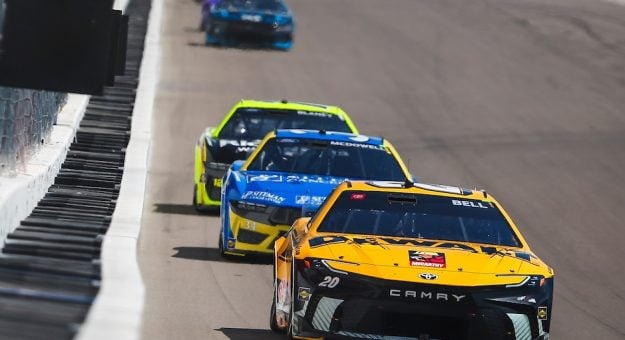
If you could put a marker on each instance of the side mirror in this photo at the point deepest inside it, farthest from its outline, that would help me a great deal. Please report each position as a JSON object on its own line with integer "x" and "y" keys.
{"x": 237, "y": 165}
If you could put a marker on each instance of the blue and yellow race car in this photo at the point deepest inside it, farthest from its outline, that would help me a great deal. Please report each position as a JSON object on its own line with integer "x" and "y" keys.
{"x": 289, "y": 175}
{"x": 241, "y": 131}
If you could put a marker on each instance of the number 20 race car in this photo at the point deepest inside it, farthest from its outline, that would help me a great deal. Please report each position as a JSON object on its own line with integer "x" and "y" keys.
{"x": 391, "y": 260}
{"x": 241, "y": 131}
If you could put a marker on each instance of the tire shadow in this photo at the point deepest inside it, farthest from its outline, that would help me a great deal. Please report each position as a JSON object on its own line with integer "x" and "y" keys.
{"x": 181, "y": 209}
{"x": 212, "y": 254}
{"x": 249, "y": 334}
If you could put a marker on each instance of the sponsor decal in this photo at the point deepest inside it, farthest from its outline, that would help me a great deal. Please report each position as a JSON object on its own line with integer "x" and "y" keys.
{"x": 313, "y": 113}
{"x": 357, "y": 145}
{"x": 314, "y": 179}
{"x": 234, "y": 142}
{"x": 217, "y": 182}
{"x": 303, "y": 293}
{"x": 425, "y": 295}
{"x": 242, "y": 146}
{"x": 263, "y": 196}
{"x": 359, "y": 138}
{"x": 251, "y": 17}
{"x": 264, "y": 178}
{"x": 472, "y": 204}
{"x": 357, "y": 196}
{"x": 428, "y": 276}
{"x": 427, "y": 259}
{"x": 542, "y": 313}
{"x": 305, "y": 199}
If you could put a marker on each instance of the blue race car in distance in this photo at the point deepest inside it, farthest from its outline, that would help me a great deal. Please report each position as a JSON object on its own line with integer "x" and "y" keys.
{"x": 289, "y": 173}
{"x": 267, "y": 23}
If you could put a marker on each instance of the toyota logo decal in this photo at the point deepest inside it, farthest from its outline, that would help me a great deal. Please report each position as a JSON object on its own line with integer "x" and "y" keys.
{"x": 428, "y": 276}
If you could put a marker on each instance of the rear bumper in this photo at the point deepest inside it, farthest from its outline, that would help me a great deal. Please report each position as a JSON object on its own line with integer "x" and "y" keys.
{"x": 221, "y": 31}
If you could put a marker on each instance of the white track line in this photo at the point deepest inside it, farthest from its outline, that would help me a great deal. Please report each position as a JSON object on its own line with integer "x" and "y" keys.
{"x": 116, "y": 313}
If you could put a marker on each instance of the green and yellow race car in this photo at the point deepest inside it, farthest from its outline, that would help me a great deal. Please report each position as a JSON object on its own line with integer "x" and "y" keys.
{"x": 242, "y": 130}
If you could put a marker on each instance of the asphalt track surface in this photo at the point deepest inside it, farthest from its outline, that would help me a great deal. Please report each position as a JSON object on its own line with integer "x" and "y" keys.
{"x": 525, "y": 99}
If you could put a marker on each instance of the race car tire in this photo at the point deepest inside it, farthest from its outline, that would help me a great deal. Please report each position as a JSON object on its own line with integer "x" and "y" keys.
{"x": 200, "y": 208}
{"x": 222, "y": 252}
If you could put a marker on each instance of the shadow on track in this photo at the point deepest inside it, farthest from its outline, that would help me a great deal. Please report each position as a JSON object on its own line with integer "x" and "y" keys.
{"x": 181, "y": 209}
{"x": 249, "y": 47}
{"x": 249, "y": 334}
{"x": 212, "y": 254}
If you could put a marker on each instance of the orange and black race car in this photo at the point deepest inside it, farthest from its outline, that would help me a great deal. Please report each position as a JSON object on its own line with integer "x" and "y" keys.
{"x": 390, "y": 260}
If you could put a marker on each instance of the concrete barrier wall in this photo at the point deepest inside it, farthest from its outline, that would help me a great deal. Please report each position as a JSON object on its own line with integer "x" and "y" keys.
{"x": 26, "y": 120}
{"x": 20, "y": 191}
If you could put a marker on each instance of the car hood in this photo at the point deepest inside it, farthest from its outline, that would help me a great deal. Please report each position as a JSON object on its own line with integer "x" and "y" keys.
{"x": 450, "y": 262}
{"x": 286, "y": 189}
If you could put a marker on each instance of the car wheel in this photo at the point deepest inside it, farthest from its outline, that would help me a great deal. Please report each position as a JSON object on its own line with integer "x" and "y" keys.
{"x": 198, "y": 207}
{"x": 195, "y": 196}
{"x": 201, "y": 208}
{"x": 222, "y": 252}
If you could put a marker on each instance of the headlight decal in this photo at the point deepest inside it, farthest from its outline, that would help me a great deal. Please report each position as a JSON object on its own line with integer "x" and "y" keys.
{"x": 324, "y": 312}
{"x": 522, "y": 328}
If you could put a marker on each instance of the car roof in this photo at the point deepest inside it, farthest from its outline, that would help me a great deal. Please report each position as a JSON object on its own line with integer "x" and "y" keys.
{"x": 329, "y": 136}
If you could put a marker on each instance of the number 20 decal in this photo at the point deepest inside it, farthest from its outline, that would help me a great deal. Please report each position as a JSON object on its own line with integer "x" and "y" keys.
{"x": 330, "y": 282}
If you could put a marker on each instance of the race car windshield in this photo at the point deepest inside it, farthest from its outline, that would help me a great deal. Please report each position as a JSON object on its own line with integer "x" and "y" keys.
{"x": 418, "y": 216}
{"x": 328, "y": 158}
{"x": 252, "y": 124}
